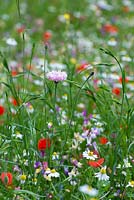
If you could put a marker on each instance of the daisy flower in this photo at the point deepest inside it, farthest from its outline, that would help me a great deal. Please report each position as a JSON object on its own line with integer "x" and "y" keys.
{"x": 54, "y": 173}
{"x": 130, "y": 184}
{"x": 89, "y": 155}
{"x": 101, "y": 175}
{"x": 55, "y": 156}
{"x": 88, "y": 190}
{"x": 22, "y": 178}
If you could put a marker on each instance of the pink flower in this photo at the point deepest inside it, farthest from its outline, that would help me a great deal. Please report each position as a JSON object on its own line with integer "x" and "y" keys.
{"x": 56, "y": 76}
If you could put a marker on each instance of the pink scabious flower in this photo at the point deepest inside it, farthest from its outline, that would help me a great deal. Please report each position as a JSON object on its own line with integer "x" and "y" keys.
{"x": 56, "y": 76}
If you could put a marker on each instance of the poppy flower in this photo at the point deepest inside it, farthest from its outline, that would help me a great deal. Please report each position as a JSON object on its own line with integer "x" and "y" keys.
{"x": 82, "y": 67}
{"x": 120, "y": 80}
{"x": 125, "y": 9}
{"x": 47, "y": 35}
{"x": 43, "y": 144}
{"x": 109, "y": 28}
{"x": 116, "y": 91}
{"x": 6, "y": 178}
{"x": 14, "y": 72}
{"x": 14, "y": 102}
{"x": 21, "y": 29}
{"x": 103, "y": 140}
{"x": 96, "y": 163}
{"x": 2, "y": 110}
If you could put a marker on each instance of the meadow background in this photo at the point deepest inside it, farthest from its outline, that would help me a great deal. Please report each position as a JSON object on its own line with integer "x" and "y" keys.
{"x": 66, "y": 99}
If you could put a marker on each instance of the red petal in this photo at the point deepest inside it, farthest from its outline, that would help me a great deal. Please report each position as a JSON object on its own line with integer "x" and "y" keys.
{"x": 96, "y": 163}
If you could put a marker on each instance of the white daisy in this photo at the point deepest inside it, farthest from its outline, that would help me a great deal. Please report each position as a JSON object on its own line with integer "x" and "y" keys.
{"x": 102, "y": 174}
{"x": 53, "y": 173}
{"x": 130, "y": 184}
{"x": 88, "y": 190}
{"x": 89, "y": 155}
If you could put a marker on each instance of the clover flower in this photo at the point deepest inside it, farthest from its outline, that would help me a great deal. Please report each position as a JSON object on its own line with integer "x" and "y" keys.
{"x": 102, "y": 174}
{"x": 56, "y": 76}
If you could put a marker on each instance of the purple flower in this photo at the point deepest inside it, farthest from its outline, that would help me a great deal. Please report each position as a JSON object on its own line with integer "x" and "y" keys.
{"x": 37, "y": 164}
{"x": 56, "y": 76}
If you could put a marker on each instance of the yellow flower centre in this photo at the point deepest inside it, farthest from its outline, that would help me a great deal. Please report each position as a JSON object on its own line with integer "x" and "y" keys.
{"x": 132, "y": 183}
{"x": 23, "y": 177}
{"x": 89, "y": 188}
{"x": 67, "y": 16}
{"x": 90, "y": 153}
{"x": 103, "y": 171}
{"x": 54, "y": 153}
{"x": 17, "y": 133}
{"x": 53, "y": 171}
{"x": 30, "y": 107}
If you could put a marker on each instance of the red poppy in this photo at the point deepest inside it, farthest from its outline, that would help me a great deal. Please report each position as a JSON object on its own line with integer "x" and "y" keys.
{"x": 43, "y": 144}
{"x": 14, "y": 102}
{"x": 6, "y": 178}
{"x": 116, "y": 91}
{"x": 96, "y": 163}
{"x": 2, "y": 110}
{"x": 103, "y": 140}
{"x": 125, "y": 9}
{"x": 120, "y": 80}
{"x": 14, "y": 73}
{"x": 82, "y": 67}
{"x": 47, "y": 35}
{"x": 109, "y": 28}
{"x": 21, "y": 29}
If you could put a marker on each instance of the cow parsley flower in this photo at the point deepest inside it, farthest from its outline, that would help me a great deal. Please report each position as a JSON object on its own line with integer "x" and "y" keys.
{"x": 56, "y": 76}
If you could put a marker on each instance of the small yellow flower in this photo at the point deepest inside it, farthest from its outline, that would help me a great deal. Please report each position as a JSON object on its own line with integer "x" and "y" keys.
{"x": 34, "y": 180}
{"x": 37, "y": 170}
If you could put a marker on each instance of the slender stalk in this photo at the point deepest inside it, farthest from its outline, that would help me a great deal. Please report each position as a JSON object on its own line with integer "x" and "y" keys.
{"x": 77, "y": 96}
{"x": 45, "y": 85}
{"x": 55, "y": 121}
{"x": 18, "y": 7}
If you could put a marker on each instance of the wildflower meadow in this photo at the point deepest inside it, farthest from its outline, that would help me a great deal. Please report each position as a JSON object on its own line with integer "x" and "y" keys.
{"x": 67, "y": 100}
